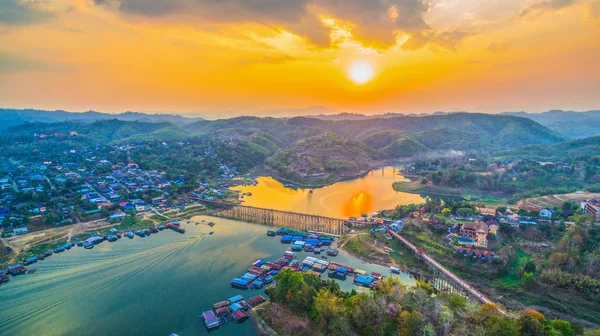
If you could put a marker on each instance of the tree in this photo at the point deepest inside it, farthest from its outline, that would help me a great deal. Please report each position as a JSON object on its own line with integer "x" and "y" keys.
{"x": 327, "y": 306}
{"x": 527, "y": 279}
{"x": 425, "y": 285}
{"x": 446, "y": 212}
{"x": 563, "y": 326}
{"x": 411, "y": 323}
{"x": 531, "y": 323}
{"x": 529, "y": 267}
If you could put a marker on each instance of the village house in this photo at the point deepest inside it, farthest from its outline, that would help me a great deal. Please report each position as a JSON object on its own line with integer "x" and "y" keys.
{"x": 591, "y": 207}
{"x": 477, "y": 231}
{"x": 21, "y": 230}
{"x": 487, "y": 211}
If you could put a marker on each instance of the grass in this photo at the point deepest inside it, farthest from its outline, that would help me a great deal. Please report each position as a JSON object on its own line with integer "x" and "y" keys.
{"x": 356, "y": 246}
{"x": 40, "y": 248}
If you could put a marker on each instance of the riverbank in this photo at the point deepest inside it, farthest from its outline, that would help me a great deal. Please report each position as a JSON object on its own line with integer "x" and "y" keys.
{"x": 310, "y": 184}
{"x": 34, "y": 243}
{"x": 360, "y": 247}
{"x": 414, "y": 185}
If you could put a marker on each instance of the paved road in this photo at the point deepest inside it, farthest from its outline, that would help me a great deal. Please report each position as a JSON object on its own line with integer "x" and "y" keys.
{"x": 447, "y": 272}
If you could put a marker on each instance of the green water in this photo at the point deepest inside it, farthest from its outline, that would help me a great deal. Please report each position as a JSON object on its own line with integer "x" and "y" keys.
{"x": 156, "y": 285}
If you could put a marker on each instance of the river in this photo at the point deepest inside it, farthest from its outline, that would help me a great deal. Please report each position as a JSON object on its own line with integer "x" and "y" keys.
{"x": 156, "y": 285}
{"x": 344, "y": 199}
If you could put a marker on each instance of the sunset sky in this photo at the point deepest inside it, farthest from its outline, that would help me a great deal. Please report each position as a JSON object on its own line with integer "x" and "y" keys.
{"x": 251, "y": 56}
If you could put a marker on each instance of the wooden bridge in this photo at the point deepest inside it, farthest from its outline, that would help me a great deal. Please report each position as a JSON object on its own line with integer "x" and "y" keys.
{"x": 445, "y": 276}
{"x": 291, "y": 220}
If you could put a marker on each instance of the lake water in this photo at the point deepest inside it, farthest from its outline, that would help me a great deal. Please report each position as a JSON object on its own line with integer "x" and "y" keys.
{"x": 344, "y": 199}
{"x": 156, "y": 285}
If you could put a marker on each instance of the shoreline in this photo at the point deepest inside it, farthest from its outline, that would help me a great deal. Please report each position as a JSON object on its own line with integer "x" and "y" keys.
{"x": 412, "y": 271}
{"x": 338, "y": 178}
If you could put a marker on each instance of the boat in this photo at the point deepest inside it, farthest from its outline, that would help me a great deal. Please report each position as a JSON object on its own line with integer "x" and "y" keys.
{"x": 211, "y": 223}
{"x": 332, "y": 252}
{"x": 211, "y": 321}
{"x": 88, "y": 245}
{"x": 211, "y": 232}
{"x": 4, "y": 278}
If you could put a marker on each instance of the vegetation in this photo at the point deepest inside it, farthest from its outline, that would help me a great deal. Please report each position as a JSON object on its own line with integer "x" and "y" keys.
{"x": 513, "y": 179}
{"x": 394, "y": 309}
{"x": 549, "y": 265}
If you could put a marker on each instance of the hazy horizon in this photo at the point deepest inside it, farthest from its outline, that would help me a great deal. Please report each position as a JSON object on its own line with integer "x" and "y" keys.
{"x": 287, "y": 113}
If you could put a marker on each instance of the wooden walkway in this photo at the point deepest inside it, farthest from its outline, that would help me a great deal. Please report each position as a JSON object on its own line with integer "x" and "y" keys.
{"x": 457, "y": 280}
{"x": 287, "y": 219}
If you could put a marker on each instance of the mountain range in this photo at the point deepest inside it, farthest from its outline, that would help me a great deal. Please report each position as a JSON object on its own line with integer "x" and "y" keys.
{"x": 570, "y": 124}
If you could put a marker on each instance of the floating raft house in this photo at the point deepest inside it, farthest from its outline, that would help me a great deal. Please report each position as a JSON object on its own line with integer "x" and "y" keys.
{"x": 239, "y": 283}
{"x": 210, "y": 319}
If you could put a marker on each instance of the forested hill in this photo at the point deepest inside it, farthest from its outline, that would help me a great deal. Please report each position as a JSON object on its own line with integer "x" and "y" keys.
{"x": 573, "y": 149}
{"x": 14, "y": 117}
{"x": 381, "y": 138}
{"x": 569, "y": 123}
{"x": 401, "y": 136}
{"x": 27, "y": 137}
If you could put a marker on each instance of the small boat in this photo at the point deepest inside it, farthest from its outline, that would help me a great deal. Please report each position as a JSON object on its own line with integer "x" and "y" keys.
{"x": 210, "y": 232}
{"x": 211, "y": 223}
{"x": 310, "y": 191}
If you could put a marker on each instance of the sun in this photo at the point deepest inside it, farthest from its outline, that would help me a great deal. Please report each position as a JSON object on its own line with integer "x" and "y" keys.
{"x": 361, "y": 72}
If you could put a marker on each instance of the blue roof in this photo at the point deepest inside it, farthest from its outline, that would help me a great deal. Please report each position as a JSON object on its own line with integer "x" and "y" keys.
{"x": 236, "y": 306}
{"x": 239, "y": 281}
{"x": 341, "y": 270}
{"x": 363, "y": 279}
{"x": 236, "y": 298}
{"x": 14, "y": 266}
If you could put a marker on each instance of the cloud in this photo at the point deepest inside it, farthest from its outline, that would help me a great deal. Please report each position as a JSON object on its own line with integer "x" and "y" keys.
{"x": 448, "y": 40}
{"x": 14, "y": 63}
{"x": 21, "y": 12}
{"x": 593, "y": 10}
{"x": 542, "y": 6}
{"x": 375, "y": 22}
{"x": 497, "y": 47}
{"x": 269, "y": 60}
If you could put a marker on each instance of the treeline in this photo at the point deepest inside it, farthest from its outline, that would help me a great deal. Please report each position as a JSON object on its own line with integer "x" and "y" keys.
{"x": 395, "y": 309}
{"x": 524, "y": 179}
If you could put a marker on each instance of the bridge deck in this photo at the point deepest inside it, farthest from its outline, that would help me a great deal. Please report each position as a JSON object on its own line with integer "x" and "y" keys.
{"x": 474, "y": 292}
{"x": 293, "y": 220}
